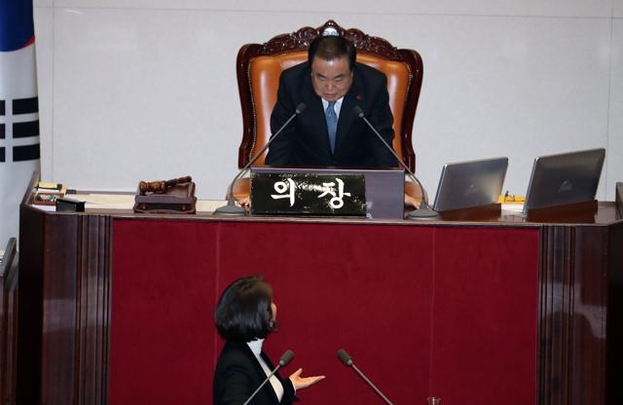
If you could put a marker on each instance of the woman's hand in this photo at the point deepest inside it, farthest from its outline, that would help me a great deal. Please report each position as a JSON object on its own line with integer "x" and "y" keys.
{"x": 304, "y": 382}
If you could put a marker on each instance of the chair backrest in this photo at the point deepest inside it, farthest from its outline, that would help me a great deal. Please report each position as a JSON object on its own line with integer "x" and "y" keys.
{"x": 260, "y": 65}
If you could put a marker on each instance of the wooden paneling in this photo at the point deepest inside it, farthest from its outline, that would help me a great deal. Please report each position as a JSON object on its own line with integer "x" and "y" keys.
{"x": 64, "y": 308}
{"x": 8, "y": 323}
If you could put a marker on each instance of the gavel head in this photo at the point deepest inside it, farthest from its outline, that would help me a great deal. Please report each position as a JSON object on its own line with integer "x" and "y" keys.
{"x": 158, "y": 187}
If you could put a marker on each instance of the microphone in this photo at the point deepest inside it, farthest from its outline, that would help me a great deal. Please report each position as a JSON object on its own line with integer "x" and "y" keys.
{"x": 425, "y": 211}
{"x": 231, "y": 208}
{"x": 348, "y": 362}
{"x": 285, "y": 359}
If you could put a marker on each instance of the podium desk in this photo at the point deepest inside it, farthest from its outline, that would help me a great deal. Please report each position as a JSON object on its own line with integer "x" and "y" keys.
{"x": 117, "y": 308}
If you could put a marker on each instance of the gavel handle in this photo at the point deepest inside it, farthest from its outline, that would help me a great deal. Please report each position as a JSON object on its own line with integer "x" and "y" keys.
{"x": 179, "y": 180}
{"x": 160, "y": 187}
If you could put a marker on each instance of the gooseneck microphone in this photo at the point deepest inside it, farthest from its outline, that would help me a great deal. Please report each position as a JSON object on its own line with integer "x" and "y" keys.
{"x": 285, "y": 359}
{"x": 348, "y": 362}
{"x": 425, "y": 211}
{"x": 231, "y": 208}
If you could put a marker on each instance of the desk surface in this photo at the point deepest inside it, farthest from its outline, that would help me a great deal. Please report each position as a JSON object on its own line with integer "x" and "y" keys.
{"x": 120, "y": 204}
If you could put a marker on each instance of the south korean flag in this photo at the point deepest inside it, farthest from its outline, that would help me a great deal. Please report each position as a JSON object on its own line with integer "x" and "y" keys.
{"x": 19, "y": 111}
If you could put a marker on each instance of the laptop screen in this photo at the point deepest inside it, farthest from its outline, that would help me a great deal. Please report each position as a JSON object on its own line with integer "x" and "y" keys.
{"x": 384, "y": 188}
{"x": 564, "y": 178}
{"x": 470, "y": 184}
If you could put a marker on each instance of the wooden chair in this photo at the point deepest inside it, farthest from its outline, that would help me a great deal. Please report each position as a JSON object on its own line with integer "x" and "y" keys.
{"x": 260, "y": 65}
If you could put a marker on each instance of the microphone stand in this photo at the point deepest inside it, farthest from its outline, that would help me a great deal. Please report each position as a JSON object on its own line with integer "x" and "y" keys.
{"x": 285, "y": 359}
{"x": 231, "y": 208}
{"x": 366, "y": 379}
{"x": 425, "y": 211}
{"x": 348, "y": 362}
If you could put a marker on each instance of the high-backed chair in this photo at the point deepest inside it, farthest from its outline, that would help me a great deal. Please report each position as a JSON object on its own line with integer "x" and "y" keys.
{"x": 260, "y": 65}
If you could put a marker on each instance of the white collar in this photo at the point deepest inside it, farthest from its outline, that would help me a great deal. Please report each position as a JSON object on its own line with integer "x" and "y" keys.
{"x": 338, "y": 103}
{"x": 256, "y": 346}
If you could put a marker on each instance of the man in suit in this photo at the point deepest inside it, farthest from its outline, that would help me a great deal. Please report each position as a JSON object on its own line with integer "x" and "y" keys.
{"x": 331, "y": 79}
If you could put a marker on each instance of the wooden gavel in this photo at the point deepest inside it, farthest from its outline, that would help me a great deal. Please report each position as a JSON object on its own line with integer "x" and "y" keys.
{"x": 161, "y": 187}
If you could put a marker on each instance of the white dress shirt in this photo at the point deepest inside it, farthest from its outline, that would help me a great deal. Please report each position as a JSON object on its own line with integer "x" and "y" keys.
{"x": 256, "y": 348}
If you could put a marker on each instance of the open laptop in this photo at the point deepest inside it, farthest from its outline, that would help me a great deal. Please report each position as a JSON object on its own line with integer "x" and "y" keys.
{"x": 564, "y": 178}
{"x": 470, "y": 184}
{"x": 384, "y": 188}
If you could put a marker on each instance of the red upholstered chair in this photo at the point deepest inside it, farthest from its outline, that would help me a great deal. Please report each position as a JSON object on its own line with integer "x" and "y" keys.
{"x": 260, "y": 65}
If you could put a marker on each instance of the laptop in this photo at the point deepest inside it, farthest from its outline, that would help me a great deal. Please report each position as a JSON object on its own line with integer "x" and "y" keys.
{"x": 564, "y": 178}
{"x": 470, "y": 184}
{"x": 384, "y": 188}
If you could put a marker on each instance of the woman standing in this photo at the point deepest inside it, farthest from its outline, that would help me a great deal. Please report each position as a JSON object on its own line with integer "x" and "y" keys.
{"x": 245, "y": 315}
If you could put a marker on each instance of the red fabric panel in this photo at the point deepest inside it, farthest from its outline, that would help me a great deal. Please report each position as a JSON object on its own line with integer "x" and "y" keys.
{"x": 485, "y": 316}
{"x": 162, "y": 338}
{"x": 344, "y": 286}
{"x": 393, "y": 296}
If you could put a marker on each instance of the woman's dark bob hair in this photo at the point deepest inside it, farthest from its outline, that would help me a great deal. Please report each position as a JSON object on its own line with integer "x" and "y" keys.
{"x": 243, "y": 312}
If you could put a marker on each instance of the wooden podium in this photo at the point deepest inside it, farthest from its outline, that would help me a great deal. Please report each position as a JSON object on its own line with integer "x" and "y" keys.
{"x": 116, "y": 307}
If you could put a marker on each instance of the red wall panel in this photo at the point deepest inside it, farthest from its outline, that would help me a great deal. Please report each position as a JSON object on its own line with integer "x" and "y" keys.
{"x": 485, "y": 316}
{"x": 422, "y": 310}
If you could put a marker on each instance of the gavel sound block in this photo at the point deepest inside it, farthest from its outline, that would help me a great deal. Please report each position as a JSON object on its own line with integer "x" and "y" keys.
{"x": 166, "y": 196}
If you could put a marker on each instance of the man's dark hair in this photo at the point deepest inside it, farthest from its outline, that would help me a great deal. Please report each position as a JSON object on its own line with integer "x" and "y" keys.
{"x": 243, "y": 312}
{"x": 332, "y": 47}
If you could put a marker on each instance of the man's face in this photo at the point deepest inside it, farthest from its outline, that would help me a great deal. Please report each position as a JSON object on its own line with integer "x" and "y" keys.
{"x": 331, "y": 78}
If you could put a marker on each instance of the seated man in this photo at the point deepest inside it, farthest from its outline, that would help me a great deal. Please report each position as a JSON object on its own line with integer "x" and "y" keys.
{"x": 329, "y": 133}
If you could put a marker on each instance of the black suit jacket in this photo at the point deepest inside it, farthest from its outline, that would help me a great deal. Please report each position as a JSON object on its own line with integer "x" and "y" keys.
{"x": 305, "y": 141}
{"x": 238, "y": 374}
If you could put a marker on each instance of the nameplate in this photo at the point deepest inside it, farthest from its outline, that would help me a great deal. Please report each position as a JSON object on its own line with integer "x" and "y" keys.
{"x": 308, "y": 194}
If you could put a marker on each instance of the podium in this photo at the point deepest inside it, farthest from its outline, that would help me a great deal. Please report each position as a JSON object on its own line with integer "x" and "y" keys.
{"x": 117, "y": 307}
